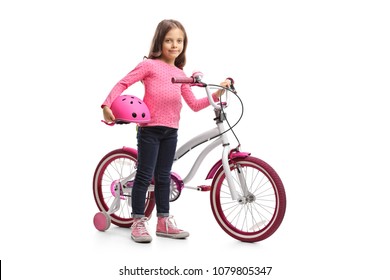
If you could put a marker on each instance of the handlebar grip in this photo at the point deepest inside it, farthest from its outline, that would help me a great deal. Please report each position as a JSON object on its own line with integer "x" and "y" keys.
{"x": 231, "y": 80}
{"x": 231, "y": 84}
{"x": 183, "y": 80}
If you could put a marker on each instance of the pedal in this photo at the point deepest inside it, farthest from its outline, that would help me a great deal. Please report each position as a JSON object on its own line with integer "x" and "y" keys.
{"x": 204, "y": 188}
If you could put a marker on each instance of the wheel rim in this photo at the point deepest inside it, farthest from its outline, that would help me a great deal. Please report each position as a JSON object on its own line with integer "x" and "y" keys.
{"x": 253, "y": 218}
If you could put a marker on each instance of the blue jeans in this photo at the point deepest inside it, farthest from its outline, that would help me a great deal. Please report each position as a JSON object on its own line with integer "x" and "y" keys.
{"x": 156, "y": 151}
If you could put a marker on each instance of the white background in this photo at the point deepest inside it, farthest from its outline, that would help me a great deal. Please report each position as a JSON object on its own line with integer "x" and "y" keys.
{"x": 313, "y": 76}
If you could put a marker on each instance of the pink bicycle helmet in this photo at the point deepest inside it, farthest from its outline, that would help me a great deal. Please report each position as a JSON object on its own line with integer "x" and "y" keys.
{"x": 130, "y": 109}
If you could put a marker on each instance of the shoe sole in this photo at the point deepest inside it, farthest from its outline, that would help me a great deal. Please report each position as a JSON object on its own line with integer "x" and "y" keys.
{"x": 174, "y": 236}
{"x": 142, "y": 239}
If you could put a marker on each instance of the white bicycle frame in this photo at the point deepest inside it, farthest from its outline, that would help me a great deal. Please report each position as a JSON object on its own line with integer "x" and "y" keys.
{"x": 221, "y": 139}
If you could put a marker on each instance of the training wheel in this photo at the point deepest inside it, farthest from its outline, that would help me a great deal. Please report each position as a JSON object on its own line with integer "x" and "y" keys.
{"x": 102, "y": 221}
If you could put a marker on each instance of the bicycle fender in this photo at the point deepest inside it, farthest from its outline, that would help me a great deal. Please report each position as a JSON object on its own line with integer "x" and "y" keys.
{"x": 218, "y": 164}
{"x": 130, "y": 150}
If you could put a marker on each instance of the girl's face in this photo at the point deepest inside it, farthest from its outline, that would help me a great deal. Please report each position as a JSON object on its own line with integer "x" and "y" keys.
{"x": 172, "y": 45}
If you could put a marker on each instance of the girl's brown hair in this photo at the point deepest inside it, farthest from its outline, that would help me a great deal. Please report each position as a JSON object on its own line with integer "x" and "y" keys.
{"x": 156, "y": 47}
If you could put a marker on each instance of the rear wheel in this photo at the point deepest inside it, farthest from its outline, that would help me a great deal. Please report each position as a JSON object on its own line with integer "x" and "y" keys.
{"x": 112, "y": 168}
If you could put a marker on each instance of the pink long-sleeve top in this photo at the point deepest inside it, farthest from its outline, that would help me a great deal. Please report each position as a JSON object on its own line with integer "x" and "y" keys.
{"x": 162, "y": 97}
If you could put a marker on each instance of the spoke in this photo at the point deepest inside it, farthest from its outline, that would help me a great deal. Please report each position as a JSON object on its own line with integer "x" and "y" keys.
{"x": 107, "y": 200}
{"x": 123, "y": 209}
{"x": 235, "y": 205}
{"x": 257, "y": 226}
{"x": 108, "y": 175}
{"x": 264, "y": 207}
{"x": 237, "y": 216}
{"x": 263, "y": 219}
{"x": 261, "y": 184}
{"x": 254, "y": 223}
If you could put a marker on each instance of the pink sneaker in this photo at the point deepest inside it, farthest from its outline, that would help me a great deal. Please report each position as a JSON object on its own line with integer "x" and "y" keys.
{"x": 139, "y": 233}
{"x": 166, "y": 227}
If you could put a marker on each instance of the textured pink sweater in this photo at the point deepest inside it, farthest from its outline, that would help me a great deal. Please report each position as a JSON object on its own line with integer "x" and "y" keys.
{"x": 162, "y": 97}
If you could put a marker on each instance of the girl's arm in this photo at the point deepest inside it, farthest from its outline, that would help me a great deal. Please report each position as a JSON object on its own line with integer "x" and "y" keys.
{"x": 135, "y": 75}
{"x": 199, "y": 104}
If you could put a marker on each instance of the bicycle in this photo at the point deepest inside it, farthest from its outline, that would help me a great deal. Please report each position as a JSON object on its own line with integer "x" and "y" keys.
{"x": 247, "y": 196}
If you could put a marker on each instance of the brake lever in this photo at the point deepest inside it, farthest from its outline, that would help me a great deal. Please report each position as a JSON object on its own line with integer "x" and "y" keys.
{"x": 232, "y": 84}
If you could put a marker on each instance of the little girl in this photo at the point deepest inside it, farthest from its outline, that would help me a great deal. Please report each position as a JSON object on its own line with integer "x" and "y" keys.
{"x": 157, "y": 139}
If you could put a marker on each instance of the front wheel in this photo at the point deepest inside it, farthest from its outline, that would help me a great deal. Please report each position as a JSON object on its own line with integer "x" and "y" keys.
{"x": 259, "y": 212}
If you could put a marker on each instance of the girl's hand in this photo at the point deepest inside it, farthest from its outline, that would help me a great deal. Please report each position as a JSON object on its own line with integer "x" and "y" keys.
{"x": 108, "y": 115}
{"x": 225, "y": 84}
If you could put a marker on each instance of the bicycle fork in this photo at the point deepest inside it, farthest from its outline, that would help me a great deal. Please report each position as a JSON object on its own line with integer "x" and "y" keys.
{"x": 229, "y": 177}
{"x": 226, "y": 156}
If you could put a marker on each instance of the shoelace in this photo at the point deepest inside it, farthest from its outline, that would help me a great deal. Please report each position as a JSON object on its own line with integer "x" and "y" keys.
{"x": 170, "y": 223}
{"x": 140, "y": 226}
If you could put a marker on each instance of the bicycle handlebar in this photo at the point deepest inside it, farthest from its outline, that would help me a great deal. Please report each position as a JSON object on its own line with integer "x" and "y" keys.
{"x": 196, "y": 80}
